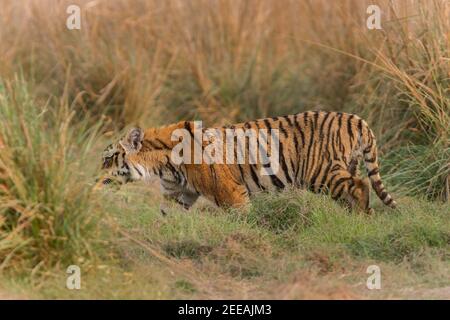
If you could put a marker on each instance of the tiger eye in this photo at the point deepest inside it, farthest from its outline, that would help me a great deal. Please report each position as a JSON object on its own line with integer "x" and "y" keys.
{"x": 107, "y": 162}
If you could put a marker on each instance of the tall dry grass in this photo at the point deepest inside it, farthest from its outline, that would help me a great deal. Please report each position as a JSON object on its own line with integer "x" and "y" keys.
{"x": 224, "y": 61}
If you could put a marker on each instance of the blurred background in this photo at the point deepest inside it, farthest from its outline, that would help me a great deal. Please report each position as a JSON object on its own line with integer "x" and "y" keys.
{"x": 156, "y": 62}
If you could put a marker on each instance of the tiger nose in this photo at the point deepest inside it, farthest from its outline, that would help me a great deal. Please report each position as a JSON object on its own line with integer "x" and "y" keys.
{"x": 104, "y": 181}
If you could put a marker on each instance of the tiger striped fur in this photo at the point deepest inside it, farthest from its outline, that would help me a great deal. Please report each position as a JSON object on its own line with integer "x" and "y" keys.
{"x": 320, "y": 151}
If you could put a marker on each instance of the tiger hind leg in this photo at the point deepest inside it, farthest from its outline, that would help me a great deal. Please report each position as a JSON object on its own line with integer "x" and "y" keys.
{"x": 353, "y": 190}
{"x": 359, "y": 194}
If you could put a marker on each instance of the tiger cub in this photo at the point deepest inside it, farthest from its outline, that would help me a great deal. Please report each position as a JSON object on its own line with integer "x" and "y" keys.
{"x": 316, "y": 150}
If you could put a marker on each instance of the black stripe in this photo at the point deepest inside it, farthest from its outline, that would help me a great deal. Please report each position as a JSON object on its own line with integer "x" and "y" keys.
{"x": 360, "y": 126}
{"x": 153, "y": 145}
{"x": 187, "y": 126}
{"x": 302, "y": 135}
{"x": 377, "y": 185}
{"x": 243, "y": 178}
{"x": 277, "y": 182}
{"x": 171, "y": 167}
{"x": 349, "y": 125}
{"x": 168, "y": 181}
{"x": 351, "y": 184}
{"x": 297, "y": 156}
{"x": 213, "y": 173}
{"x": 282, "y": 129}
{"x": 324, "y": 177}
{"x": 162, "y": 143}
{"x": 371, "y": 160}
{"x": 367, "y": 149}
{"x": 216, "y": 201}
{"x": 336, "y": 166}
{"x": 340, "y": 181}
{"x": 370, "y": 138}
{"x": 173, "y": 170}
{"x": 185, "y": 205}
{"x": 339, "y": 194}
{"x": 138, "y": 171}
{"x": 283, "y": 165}
{"x": 327, "y": 169}
{"x": 320, "y": 153}
{"x": 323, "y": 123}
{"x": 308, "y": 154}
{"x": 288, "y": 120}
{"x": 125, "y": 165}
{"x": 295, "y": 142}
{"x": 294, "y": 170}
{"x": 267, "y": 123}
{"x": 256, "y": 178}
{"x": 373, "y": 172}
{"x": 333, "y": 146}
{"x": 349, "y": 129}
{"x": 341, "y": 146}
{"x": 305, "y": 162}
{"x": 269, "y": 127}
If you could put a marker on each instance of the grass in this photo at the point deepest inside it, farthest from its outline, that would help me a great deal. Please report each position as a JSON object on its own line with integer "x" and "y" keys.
{"x": 421, "y": 170}
{"x": 222, "y": 254}
{"x": 65, "y": 93}
{"x": 42, "y": 220}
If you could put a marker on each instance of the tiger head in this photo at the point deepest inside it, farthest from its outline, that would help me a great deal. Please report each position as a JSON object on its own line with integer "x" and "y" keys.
{"x": 134, "y": 158}
{"x": 115, "y": 159}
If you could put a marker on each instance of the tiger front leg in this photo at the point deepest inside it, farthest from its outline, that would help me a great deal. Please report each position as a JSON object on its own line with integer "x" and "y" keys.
{"x": 184, "y": 199}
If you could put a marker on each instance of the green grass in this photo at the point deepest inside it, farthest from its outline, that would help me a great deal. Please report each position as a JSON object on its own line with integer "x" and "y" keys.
{"x": 214, "y": 253}
{"x": 43, "y": 222}
{"x": 419, "y": 169}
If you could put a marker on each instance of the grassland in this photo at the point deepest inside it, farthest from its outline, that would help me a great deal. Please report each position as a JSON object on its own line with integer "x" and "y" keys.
{"x": 292, "y": 245}
{"x": 64, "y": 94}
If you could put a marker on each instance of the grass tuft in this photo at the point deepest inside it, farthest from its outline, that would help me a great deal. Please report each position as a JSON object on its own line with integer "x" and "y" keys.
{"x": 42, "y": 221}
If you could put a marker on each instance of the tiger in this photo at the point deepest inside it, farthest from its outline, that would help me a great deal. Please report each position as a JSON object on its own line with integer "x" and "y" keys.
{"x": 318, "y": 150}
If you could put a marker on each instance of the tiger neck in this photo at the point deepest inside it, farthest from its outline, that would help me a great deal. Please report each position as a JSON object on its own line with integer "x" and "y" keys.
{"x": 161, "y": 138}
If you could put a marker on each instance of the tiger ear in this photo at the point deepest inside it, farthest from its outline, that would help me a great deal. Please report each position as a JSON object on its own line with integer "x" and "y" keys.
{"x": 132, "y": 142}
